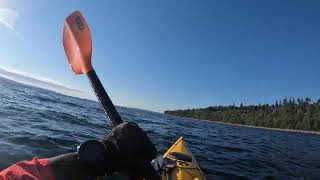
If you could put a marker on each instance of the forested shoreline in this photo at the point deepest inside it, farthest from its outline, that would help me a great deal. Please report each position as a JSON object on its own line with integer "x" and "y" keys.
{"x": 289, "y": 113}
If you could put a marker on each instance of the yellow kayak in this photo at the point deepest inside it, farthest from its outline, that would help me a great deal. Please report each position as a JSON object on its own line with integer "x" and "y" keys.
{"x": 184, "y": 165}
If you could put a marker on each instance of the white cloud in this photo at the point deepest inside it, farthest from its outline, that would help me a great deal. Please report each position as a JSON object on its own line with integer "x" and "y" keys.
{"x": 8, "y": 18}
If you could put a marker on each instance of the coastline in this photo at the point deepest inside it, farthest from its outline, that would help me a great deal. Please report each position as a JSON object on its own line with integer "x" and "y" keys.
{"x": 257, "y": 127}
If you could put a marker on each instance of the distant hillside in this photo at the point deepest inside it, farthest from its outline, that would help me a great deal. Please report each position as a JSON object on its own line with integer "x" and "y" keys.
{"x": 43, "y": 84}
{"x": 299, "y": 114}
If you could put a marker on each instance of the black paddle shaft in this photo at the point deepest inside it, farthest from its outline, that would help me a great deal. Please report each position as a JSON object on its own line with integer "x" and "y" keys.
{"x": 104, "y": 99}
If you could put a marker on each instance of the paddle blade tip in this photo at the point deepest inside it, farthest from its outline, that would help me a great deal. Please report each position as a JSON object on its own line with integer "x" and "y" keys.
{"x": 77, "y": 43}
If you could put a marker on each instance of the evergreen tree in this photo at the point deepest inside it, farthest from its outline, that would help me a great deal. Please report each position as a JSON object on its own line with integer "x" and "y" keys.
{"x": 308, "y": 100}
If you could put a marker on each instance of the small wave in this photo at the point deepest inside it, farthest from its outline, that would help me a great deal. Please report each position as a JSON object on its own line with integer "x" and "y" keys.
{"x": 72, "y": 104}
{"x": 229, "y": 148}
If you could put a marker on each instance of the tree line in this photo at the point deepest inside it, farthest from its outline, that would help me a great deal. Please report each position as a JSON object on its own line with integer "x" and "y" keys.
{"x": 289, "y": 113}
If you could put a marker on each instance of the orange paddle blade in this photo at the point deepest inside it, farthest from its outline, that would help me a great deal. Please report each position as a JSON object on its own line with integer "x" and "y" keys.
{"x": 77, "y": 43}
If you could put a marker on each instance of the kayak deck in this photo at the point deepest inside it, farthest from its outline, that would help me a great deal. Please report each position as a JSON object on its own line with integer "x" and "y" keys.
{"x": 186, "y": 167}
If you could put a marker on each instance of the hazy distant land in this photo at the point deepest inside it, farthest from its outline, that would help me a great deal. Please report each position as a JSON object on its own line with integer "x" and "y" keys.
{"x": 25, "y": 79}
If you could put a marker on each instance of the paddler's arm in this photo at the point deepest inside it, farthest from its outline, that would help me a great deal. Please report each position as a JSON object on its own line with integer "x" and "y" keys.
{"x": 63, "y": 167}
{"x": 126, "y": 149}
{"x": 36, "y": 169}
{"x": 67, "y": 166}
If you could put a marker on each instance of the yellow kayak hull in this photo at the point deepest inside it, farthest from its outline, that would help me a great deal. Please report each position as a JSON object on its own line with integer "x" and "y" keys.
{"x": 186, "y": 167}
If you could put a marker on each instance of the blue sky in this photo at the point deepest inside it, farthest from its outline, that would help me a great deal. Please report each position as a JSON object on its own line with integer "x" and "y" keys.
{"x": 166, "y": 54}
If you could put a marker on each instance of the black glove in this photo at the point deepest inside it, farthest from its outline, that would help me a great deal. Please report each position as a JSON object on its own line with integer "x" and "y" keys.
{"x": 129, "y": 151}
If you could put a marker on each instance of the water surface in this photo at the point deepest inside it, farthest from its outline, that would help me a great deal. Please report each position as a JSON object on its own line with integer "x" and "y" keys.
{"x": 42, "y": 123}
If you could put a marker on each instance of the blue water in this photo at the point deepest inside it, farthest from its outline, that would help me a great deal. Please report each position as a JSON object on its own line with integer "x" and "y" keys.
{"x": 37, "y": 122}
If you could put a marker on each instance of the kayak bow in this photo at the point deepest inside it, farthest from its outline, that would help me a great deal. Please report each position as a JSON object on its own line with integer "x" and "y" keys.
{"x": 185, "y": 166}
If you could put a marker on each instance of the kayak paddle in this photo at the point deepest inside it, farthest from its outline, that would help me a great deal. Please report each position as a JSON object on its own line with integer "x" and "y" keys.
{"x": 77, "y": 44}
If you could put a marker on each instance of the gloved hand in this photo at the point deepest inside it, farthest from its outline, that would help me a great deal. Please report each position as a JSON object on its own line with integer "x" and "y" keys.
{"x": 129, "y": 151}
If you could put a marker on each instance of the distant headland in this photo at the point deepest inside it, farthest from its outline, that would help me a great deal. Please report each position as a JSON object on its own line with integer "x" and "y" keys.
{"x": 289, "y": 114}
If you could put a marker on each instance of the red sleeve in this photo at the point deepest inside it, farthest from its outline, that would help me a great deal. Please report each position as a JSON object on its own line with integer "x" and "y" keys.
{"x": 37, "y": 169}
